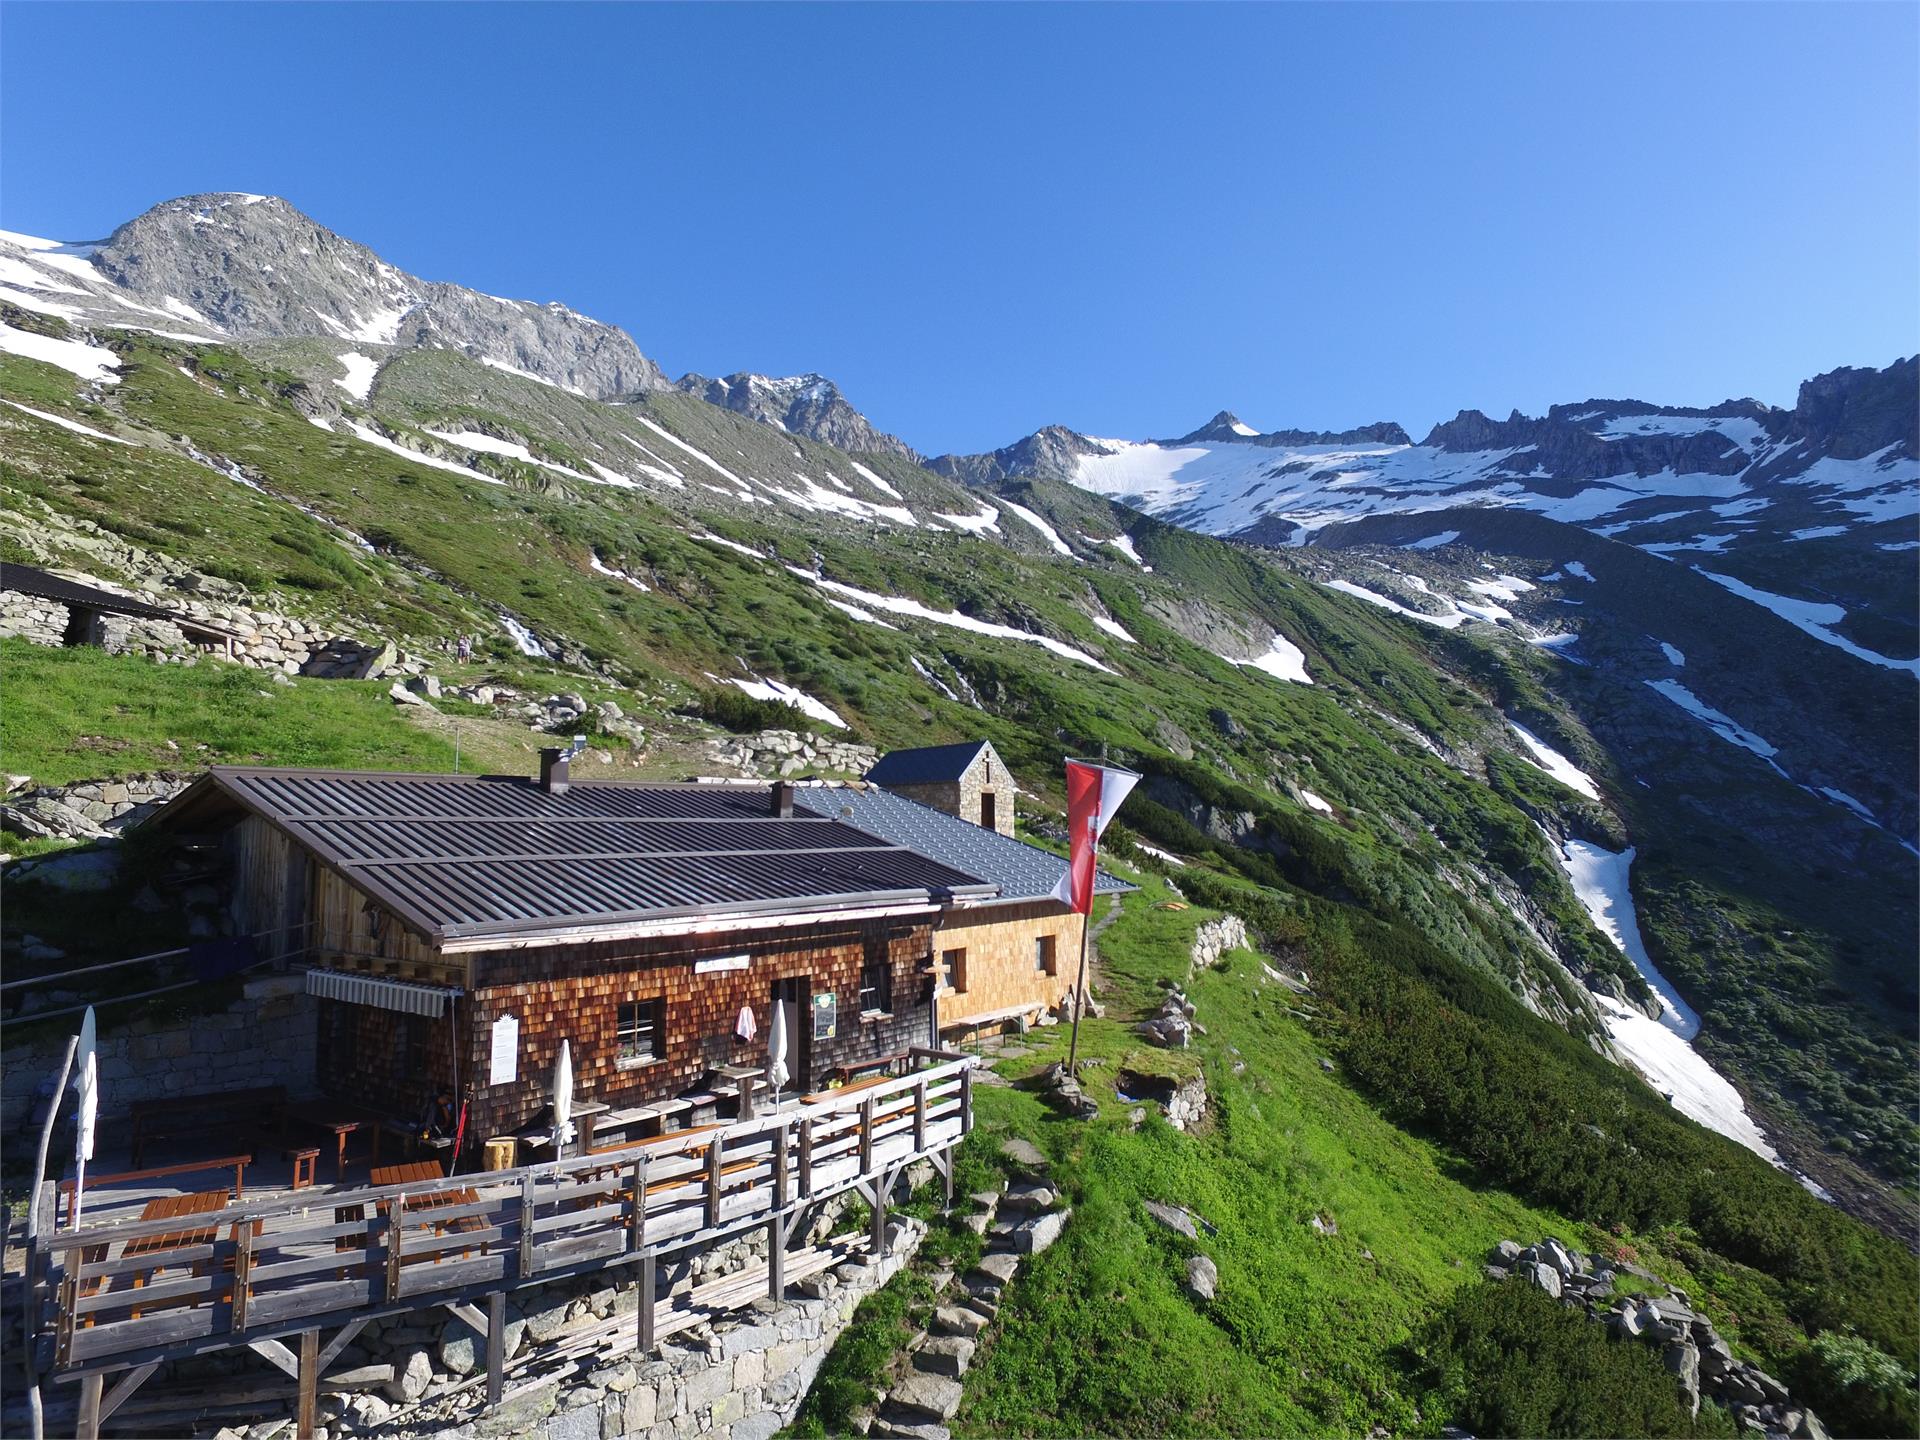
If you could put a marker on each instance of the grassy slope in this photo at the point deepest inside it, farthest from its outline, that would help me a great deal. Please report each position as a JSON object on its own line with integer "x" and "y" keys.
{"x": 1311, "y": 1332}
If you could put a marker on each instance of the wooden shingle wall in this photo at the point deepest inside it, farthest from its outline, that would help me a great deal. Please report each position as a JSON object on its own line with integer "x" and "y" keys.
{"x": 573, "y": 993}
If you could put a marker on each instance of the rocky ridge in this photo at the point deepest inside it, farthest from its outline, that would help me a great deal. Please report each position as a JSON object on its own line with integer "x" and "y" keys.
{"x": 1700, "y": 1360}
{"x": 809, "y": 405}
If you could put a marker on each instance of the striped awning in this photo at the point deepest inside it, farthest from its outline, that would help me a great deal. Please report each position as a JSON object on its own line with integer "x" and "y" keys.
{"x": 429, "y": 1000}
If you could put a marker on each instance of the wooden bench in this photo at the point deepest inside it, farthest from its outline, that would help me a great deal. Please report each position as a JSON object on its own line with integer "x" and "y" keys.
{"x": 219, "y": 1112}
{"x": 880, "y": 1067}
{"x": 236, "y": 1163}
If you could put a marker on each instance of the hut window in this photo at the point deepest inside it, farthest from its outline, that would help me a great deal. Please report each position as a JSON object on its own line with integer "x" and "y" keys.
{"x": 954, "y": 963}
{"x": 1043, "y": 963}
{"x": 641, "y": 1031}
{"x": 876, "y": 987}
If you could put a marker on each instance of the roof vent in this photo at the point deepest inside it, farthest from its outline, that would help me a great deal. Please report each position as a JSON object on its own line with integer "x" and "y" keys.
{"x": 782, "y": 800}
{"x": 553, "y": 771}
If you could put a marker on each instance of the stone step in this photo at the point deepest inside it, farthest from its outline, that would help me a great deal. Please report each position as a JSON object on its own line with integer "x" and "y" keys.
{"x": 958, "y": 1320}
{"x": 904, "y": 1429}
{"x": 921, "y": 1397}
{"x": 945, "y": 1355}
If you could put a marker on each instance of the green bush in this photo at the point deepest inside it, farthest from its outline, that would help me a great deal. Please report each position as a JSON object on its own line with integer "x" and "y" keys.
{"x": 739, "y": 712}
{"x": 1509, "y": 1359}
{"x": 1856, "y": 1389}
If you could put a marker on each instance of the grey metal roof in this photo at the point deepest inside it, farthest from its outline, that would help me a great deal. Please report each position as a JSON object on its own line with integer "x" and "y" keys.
{"x": 928, "y": 765}
{"x": 1022, "y": 871}
{"x": 466, "y": 857}
{"x": 26, "y": 580}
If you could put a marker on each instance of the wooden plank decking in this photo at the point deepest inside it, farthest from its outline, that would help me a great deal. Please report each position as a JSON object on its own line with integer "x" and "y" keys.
{"x": 119, "y": 1297}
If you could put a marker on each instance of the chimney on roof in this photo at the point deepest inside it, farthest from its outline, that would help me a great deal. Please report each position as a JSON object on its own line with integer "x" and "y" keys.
{"x": 782, "y": 800}
{"x": 553, "y": 771}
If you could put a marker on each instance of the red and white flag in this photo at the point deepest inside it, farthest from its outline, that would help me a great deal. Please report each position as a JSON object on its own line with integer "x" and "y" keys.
{"x": 1094, "y": 793}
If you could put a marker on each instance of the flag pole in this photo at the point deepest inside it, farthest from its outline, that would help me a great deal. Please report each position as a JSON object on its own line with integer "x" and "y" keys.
{"x": 1080, "y": 984}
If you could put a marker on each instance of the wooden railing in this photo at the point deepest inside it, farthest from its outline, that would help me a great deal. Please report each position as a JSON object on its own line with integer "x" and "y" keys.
{"x": 125, "y": 1295}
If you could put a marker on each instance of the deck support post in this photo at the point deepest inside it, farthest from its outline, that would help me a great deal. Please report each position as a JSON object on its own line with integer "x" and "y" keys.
{"x": 877, "y": 1234}
{"x": 806, "y": 1157}
{"x": 526, "y": 1226}
{"x": 496, "y": 1347}
{"x": 966, "y": 1100}
{"x": 123, "y": 1389}
{"x": 309, "y": 1402}
{"x": 647, "y": 1268}
{"x": 776, "y": 1261}
{"x": 88, "y": 1427}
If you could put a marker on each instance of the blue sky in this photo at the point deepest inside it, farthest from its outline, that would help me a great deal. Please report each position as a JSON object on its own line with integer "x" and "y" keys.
{"x": 982, "y": 219}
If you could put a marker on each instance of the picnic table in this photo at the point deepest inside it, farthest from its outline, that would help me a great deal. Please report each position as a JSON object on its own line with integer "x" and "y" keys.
{"x": 218, "y": 1112}
{"x": 420, "y": 1171}
{"x": 177, "y": 1207}
{"x": 322, "y": 1115}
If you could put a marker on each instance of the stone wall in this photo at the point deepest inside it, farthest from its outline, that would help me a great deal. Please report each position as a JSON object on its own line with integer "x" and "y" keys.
{"x": 265, "y": 1038}
{"x": 788, "y": 752}
{"x": 44, "y": 622}
{"x": 89, "y": 809}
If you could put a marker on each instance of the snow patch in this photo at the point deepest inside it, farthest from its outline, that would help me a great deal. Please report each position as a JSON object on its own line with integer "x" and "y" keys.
{"x": 1433, "y": 542}
{"x": 1283, "y": 660}
{"x": 1813, "y": 618}
{"x": 1112, "y": 627}
{"x": 1314, "y": 802}
{"x": 375, "y": 438}
{"x": 1047, "y": 532}
{"x": 601, "y": 569}
{"x": 360, "y": 372}
{"x": 900, "y": 605}
{"x": 733, "y": 545}
{"x": 1124, "y": 544}
{"x": 987, "y": 520}
{"x": 66, "y": 424}
{"x": 1724, "y": 726}
{"x": 1675, "y": 657}
{"x": 1452, "y": 621}
{"x": 90, "y": 362}
{"x": 1546, "y": 758}
{"x": 874, "y": 480}
{"x": 788, "y": 695}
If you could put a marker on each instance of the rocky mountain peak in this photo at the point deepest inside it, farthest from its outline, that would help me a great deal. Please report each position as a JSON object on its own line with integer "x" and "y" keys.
{"x": 810, "y": 405}
{"x": 255, "y": 266}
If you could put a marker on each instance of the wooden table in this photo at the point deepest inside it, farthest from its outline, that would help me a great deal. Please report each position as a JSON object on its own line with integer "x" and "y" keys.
{"x": 174, "y": 1207}
{"x": 319, "y": 1115}
{"x": 422, "y": 1171}
{"x": 744, "y": 1077}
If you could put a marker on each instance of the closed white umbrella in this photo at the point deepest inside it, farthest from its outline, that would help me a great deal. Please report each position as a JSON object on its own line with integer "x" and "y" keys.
{"x": 777, "y": 1050}
{"x": 87, "y": 1085}
{"x": 563, "y": 1097}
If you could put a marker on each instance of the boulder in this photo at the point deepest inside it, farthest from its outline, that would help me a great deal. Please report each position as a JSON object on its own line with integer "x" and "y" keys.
{"x": 945, "y": 1355}
{"x": 401, "y": 695}
{"x": 1683, "y": 1363}
{"x": 1203, "y": 1277}
{"x": 411, "y": 1377}
{"x": 1545, "y": 1276}
{"x": 1173, "y": 1217}
{"x": 1507, "y": 1253}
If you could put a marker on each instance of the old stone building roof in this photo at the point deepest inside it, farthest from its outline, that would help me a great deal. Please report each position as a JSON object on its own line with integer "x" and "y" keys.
{"x": 42, "y": 585}
{"x": 468, "y": 857}
{"x": 927, "y": 765}
{"x": 1023, "y": 872}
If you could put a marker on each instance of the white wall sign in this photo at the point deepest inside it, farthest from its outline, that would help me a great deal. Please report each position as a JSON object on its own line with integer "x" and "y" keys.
{"x": 721, "y": 962}
{"x": 505, "y": 1066}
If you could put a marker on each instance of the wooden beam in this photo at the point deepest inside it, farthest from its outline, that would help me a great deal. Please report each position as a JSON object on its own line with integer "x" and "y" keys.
{"x": 309, "y": 1403}
{"x": 276, "y": 1354}
{"x": 496, "y": 1347}
{"x": 526, "y": 1227}
{"x": 342, "y": 1338}
{"x": 776, "y": 1261}
{"x": 647, "y": 1266}
{"x": 471, "y": 1314}
{"x": 713, "y": 1181}
{"x": 88, "y": 1426}
{"x": 123, "y": 1389}
{"x": 242, "y": 1276}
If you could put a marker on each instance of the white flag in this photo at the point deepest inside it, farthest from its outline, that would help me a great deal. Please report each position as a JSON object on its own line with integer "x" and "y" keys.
{"x": 87, "y": 1083}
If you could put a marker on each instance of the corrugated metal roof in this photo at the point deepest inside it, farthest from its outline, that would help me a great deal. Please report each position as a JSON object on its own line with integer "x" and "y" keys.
{"x": 1022, "y": 871}
{"x": 26, "y": 580}
{"x": 928, "y": 765}
{"x": 472, "y": 857}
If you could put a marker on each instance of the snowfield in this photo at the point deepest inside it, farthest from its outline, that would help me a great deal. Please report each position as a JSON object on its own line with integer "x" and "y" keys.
{"x": 1659, "y": 1049}
{"x": 360, "y": 372}
{"x": 1812, "y": 617}
{"x": 1047, "y": 532}
{"x": 90, "y": 362}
